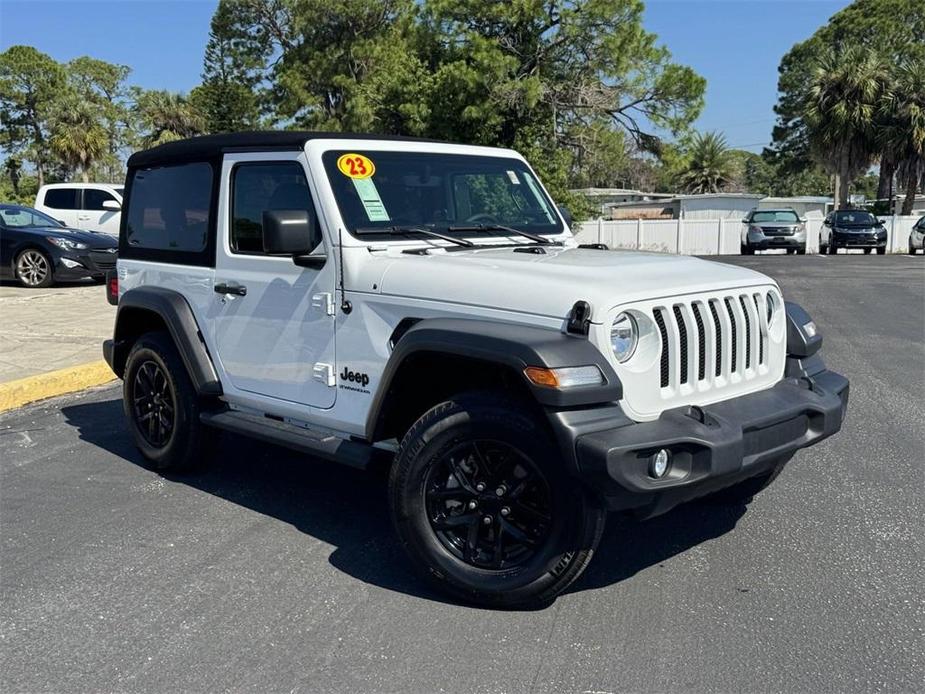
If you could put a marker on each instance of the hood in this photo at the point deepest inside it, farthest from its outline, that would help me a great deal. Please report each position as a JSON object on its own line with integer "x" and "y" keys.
{"x": 93, "y": 239}
{"x": 550, "y": 284}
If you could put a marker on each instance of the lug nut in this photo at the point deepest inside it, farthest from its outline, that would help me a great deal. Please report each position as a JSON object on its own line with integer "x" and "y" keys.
{"x": 472, "y": 505}
{"x": 505, "y": 511}
{"x": 480, "y": 487}
{"x": 500, "y": 490}
{"x": 487, "y": 520}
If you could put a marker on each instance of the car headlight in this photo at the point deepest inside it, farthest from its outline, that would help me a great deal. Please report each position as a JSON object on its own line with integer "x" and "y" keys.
{"x": 624, "y": 334}
{"x": 772, "y": 303}
{"x": 66, "y": 244}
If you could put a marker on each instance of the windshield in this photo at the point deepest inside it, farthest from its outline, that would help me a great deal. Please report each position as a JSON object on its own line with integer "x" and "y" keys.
{"x": 854, "y": 217}
{"x": 775, "y": 216}
{"x": 26, "y": 217}
{"x": 380, "y": 190}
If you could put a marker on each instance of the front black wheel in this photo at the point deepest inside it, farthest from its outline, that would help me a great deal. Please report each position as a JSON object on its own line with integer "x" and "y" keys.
{"x": 911, "y": 247}
{"x": 881, "y": 250}
{"x": 482, "y": 505}
{"x": 833, "y": 249}
{"x": 801, "y": 250}
{"x": 866, "y": 251}
{"x": 161, "y": 405}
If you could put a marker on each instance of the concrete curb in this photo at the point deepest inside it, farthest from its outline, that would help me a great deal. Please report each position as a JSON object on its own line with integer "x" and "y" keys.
{"x": 48, "y": 385}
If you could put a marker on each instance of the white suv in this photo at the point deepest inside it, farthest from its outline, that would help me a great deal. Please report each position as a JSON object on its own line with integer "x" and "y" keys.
{"x": 88, "y": 206}
{"x": 360, "y": 298}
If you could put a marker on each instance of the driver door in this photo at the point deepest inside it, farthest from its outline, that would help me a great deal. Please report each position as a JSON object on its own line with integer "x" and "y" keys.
{"x": 273, "y": 321}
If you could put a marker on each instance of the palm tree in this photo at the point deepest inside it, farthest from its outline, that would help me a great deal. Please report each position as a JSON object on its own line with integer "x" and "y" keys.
{"x": 167, "y": 116}
{"x": 710, "y": 167}
{"x": 78, "y": 136}
{"x": 901, "y": 130}
{"x": 840, "y": 113}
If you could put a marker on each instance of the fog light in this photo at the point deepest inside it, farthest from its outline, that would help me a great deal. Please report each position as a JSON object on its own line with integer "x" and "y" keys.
{"x": 659, "y": 463}
{"x": 70, "y": 264}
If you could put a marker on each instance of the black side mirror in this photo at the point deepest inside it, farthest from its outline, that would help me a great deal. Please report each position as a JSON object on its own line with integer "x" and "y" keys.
{"x": 292, "y": 232}
{"x": 566, "y": 214}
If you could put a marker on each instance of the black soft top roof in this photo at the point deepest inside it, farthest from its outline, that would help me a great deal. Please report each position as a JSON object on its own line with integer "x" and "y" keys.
{"x": 208, "y": 146}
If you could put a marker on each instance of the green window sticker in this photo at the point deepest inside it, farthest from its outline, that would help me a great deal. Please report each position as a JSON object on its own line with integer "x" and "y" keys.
{"x": 372, "y": 202}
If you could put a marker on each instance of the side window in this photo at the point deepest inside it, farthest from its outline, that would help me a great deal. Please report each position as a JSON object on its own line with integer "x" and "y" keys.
{"x": 93, "y": 199}
{"x": 62, "y": 198}
{"x": 259, "y": 187}
{"x": 169, "y": 208}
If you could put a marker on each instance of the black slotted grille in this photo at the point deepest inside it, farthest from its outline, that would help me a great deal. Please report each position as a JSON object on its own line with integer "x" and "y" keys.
{"x": 760, "y": 332}
{"x": 701, "y": 337}
{"x": 732, "y": 324}
{"x": 682, "y": 334}
{"x": 665, "y": 365}
{"x": 719, "y": 338}
{"x": 748, "y": 333}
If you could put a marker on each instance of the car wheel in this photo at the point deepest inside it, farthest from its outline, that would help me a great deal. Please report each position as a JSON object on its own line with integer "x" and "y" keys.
{"x": 911, "y": 247}
{"x": 483, "y": 507}
{"x": 745, "y": 491}
{"x": 866, "y": 251}
{"x": 162, "y": 406}
{"x": 801, "y": 250}
{"x": 881, "y": 250}
{"x": 833, "y": 249}
{"x": 34, "y": 269}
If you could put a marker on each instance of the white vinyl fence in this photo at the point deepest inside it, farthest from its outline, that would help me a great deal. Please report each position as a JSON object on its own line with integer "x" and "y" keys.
{"x": 708, "y": 236}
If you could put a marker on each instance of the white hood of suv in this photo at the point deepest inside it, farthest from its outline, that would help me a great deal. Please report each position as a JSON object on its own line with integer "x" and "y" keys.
{"x": 550, "y": 284}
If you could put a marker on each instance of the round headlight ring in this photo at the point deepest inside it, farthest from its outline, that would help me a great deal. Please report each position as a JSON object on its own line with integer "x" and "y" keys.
{"x": 624, "y": 336}
{"x": 771, "y": 301}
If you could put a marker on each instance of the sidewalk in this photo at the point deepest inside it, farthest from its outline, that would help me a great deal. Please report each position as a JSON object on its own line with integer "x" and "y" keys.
{"x": 45, "y": 330}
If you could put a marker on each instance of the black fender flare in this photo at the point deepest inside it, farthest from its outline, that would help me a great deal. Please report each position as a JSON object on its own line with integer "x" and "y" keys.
{"x": 175, "y": 312}
{"x": 512, "y": 345}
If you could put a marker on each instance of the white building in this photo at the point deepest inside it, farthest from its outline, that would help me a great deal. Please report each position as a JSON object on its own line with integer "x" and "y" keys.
{"x": 733, "y": 206}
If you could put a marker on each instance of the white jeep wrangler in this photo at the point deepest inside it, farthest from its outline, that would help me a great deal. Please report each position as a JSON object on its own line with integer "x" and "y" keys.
{"x": 355, "y": 297}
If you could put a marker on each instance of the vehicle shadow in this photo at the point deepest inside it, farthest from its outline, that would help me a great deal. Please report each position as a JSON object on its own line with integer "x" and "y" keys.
{"x": 347, "y": 508}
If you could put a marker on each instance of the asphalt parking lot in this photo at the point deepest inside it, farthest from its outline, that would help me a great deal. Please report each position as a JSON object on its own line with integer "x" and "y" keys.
{"x": 271, "y": 572}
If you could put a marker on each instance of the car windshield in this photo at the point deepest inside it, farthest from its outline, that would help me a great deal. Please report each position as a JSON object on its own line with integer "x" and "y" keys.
{"x": 23, "y": 217}
{"x": 854, "y": 217}
{"x": 775, "y": 216}
{"x": 383, "y": 190}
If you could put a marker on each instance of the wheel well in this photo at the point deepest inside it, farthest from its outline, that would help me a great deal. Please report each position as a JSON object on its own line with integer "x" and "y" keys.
{"x": 425, "y": 379}
{"x": 28, "y": 247}
{"x": 131, "y": 324}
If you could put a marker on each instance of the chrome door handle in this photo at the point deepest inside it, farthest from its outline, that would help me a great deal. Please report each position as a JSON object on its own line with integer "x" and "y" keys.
{"x": 230, "y": 288}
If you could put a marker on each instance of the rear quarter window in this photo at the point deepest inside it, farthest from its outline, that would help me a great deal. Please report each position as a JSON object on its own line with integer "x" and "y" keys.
{"x": 169, "y": 208}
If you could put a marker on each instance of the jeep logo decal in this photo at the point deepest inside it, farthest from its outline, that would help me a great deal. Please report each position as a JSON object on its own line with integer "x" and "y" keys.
{"x": 355, "y": 377}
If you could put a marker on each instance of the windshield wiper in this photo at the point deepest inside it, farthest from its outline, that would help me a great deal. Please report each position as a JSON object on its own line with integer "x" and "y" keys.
{"x": 536, "y": 238}
{"x": 414, "y": 230}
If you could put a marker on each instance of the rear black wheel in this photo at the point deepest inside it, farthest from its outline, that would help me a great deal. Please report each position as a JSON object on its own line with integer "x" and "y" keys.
{"x": 161, "y": 405}
{"x": 881, "y": 250}
{"x": 833, "y": 249}
{"x": 867, "y": 251}
{"x": 801, "y": 250}
{"x": 911, "y": 247}
{"x": 483, "y": 507}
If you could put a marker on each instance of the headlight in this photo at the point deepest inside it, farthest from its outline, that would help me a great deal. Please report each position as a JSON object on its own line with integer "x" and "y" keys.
{"x": 771, "y": 302}
{"x": 66, "y": 244}
{"x": 624, "y": 334}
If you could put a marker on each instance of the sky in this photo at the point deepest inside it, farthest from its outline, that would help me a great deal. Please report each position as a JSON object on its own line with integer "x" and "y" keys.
{"x": 735, "y": 44}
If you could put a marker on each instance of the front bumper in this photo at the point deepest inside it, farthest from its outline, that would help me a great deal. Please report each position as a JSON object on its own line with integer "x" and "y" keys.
{"x": 762, "y": 242}
{"x": 711, "y": 447}
{"x": 85, "y": 263}
{"x": 865, "y": 240}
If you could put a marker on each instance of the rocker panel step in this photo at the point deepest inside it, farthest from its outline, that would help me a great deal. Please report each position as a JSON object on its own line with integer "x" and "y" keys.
{"x": 353, "y": 453}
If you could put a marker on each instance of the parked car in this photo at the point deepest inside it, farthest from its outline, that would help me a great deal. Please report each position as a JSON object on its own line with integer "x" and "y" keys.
{"x": 852, "y": 229}
{"x": 38, "y": 250}
{"x": 766, "y": 229}
{"x": 917, "y": 237}
{"x": 358, "y": 297}
{"x": 89, "y": 206}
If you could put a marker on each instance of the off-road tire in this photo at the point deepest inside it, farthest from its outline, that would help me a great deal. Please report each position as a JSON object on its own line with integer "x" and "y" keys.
{"x": 189, "y": 441}
{"x": 577, "y": 519}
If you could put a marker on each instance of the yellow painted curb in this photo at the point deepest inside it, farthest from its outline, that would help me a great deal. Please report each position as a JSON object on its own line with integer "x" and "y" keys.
{"x": 48, "y": 385}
